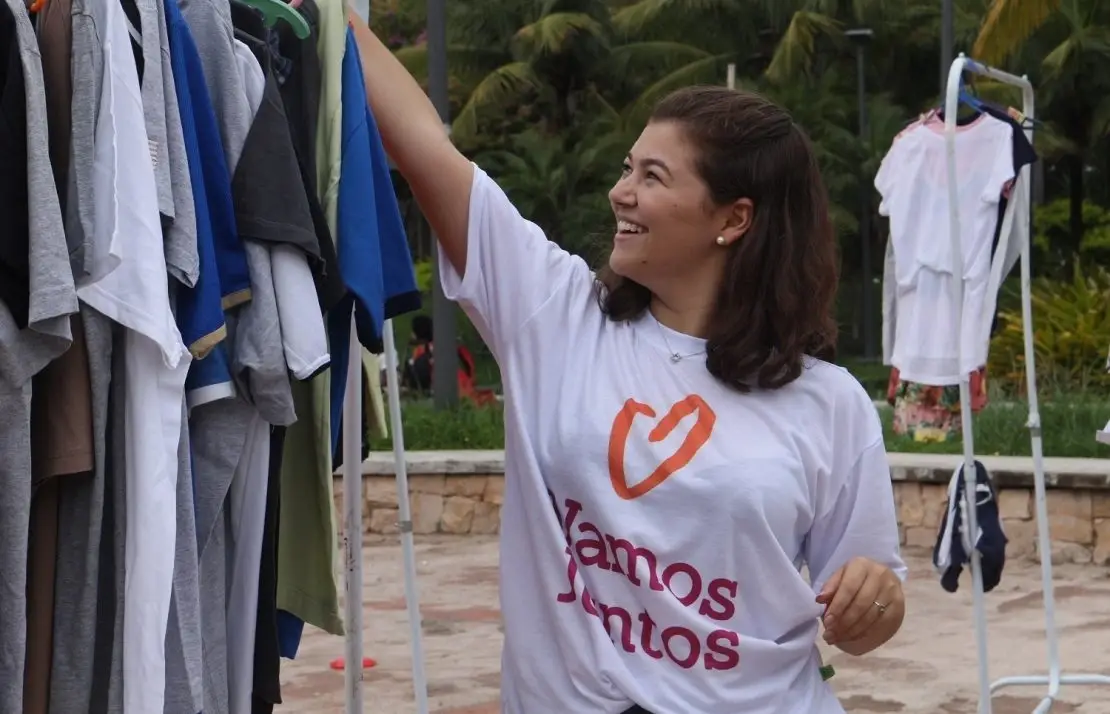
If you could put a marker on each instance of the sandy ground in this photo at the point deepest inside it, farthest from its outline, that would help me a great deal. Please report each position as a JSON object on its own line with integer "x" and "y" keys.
{"x": 929, "y": 668}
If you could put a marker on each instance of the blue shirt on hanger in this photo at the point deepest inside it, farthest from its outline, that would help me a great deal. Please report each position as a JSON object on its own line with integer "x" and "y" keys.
{"x": 374, "y": 258}
{"x": 224, "y": 278}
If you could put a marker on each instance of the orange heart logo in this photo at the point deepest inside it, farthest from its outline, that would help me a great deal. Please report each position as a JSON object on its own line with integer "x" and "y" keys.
{"x": 622, "y": 428}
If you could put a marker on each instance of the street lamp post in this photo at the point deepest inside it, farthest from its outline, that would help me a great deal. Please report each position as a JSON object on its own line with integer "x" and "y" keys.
{"x": 861, "y": 37}
{"x": 947, "y": 41}
{"x": 445, "y": 386}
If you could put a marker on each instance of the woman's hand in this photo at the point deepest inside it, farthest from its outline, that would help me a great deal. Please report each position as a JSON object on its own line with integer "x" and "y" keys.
{"x": 864, "y": 606}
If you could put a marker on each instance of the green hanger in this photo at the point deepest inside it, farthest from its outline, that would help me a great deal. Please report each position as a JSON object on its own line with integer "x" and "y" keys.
{"x": 274, "y": 10}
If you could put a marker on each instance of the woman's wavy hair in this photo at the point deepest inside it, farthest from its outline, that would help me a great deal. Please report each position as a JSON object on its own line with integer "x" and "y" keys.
{"x": 775, "y": 303}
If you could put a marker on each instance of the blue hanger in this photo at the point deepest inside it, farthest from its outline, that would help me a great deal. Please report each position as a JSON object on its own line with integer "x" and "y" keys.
{"x": 968, "y": 97}
{"x": 964, "y": 96}
{"x": 971, "y": 100}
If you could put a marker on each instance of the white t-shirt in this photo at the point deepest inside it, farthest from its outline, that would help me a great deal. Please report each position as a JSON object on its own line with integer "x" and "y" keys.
{"x": 695, "y": 598}
{"x": 931, "y": 343}
{"x": 135, "y": 294}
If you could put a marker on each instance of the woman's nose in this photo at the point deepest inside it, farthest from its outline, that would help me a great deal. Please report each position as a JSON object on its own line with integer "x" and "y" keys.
{"x": 622, "y": 194}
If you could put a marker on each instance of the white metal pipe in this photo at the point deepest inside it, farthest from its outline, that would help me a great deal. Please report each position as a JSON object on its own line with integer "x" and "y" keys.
{"x": 1055, "y": 678}
{"x": 412, "y": 595}
{"x": 951, "y": 106}
{"x": 352, "y": 522}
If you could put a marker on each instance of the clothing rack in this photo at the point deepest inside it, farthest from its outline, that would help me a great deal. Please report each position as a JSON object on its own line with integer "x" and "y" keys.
{"x": 352, "y": 523}
{"x": 1055, "y": 678}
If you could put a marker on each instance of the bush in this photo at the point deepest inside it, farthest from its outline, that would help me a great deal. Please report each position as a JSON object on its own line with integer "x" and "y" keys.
{"x": 424, "y": 271}
{"x": 464, "y": 427}
{"x": 1071, "y": 334}
{"x": 1069, "y": 427}
{"x": 1052, "y": 230}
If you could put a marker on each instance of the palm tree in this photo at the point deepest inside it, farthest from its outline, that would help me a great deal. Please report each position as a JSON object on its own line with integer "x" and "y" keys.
{"x": 1008, "y": 24}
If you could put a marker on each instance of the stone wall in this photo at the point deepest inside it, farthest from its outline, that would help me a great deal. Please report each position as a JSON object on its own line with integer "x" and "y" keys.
{"x": 1077, "y": 500}
{"x": 1079, "y": 521}
{"x": 461, "y": 493}
{"x": 457, "y": 503}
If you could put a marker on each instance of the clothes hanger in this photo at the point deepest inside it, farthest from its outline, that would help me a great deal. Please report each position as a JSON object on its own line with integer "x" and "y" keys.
{"x": 966, "y": 98}
{"x": 274, "y": 10}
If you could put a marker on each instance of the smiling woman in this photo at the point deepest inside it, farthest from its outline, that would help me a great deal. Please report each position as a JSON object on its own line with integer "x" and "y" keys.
{"x": 675, "y": 449}
{"x": 723, "y": 232}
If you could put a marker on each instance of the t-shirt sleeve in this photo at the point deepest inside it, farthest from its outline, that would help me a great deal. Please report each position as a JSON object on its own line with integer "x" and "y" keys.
{"x": 856, "y": 519}
{"x": 886, "y": 179}
{"x": 1002, "y": 169}
{"x": 512, "y": 269}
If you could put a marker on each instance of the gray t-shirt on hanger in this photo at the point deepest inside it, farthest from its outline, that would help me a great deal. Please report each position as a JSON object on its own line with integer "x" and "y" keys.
{"x": 219, "y": 430}
{"x": 23, "y": 353}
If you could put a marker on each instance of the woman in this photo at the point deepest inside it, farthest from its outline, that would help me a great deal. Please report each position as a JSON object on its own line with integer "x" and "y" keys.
{"x": 674, "y": 453}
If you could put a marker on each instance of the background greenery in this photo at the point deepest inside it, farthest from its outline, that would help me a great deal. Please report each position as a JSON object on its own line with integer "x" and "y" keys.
{"x": 1069, "y": 429}
{"x": 548, "y": 94}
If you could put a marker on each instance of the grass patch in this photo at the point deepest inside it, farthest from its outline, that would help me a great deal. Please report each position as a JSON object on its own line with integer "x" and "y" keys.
{"x": 1069, "y": 428}
{"x": 464, "y": 427}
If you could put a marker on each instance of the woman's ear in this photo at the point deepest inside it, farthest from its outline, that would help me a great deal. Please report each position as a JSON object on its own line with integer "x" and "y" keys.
{"x": 738, "y": 220}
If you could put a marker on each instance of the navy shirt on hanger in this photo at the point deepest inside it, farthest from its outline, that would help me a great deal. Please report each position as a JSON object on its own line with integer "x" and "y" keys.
{"x": 1024, "y": 155}
{"x": 15, "y": 285}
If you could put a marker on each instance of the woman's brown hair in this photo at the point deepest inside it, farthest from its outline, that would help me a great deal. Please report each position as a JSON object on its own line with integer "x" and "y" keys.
{"x": 774, "y": 305}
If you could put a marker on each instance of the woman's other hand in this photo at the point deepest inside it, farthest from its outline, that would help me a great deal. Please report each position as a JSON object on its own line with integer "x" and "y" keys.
{"x": 864, "y": 606}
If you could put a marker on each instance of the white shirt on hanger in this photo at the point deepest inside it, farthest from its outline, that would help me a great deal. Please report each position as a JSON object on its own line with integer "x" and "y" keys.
{"x": 135, "y": 294}
{"x": 935, "y": 340}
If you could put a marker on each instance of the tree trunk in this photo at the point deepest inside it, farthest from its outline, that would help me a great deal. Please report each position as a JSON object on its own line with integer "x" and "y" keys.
{"x": 1075, "y": 217}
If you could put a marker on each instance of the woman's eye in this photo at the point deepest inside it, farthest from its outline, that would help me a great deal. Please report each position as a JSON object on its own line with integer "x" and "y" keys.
{"x": 653, "y": 176}
{"x": 626, "y": 168}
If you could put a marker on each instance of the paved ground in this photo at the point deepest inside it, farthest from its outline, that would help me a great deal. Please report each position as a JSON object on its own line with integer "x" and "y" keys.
{"x": 928, "y": 669}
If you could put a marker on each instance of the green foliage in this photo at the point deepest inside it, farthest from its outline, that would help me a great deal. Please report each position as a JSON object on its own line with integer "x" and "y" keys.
{"x": 464, "y": 427}
{"x": 1052, "y": 229}
{"x": 547, "y": 96}
{"x": 1070, "y": 339}
{"x": 425, "y": 273}
{"x": 1068, "y": 423}
{"x": 1069, "y": 427}
{"x": 559, "y": 182}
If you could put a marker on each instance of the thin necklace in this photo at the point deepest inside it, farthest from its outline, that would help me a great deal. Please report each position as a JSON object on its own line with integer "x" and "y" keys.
{"x": 675, "y": 356}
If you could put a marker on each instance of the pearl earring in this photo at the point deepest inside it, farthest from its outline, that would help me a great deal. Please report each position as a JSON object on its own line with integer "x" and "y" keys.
{"x": 721, "y": 240}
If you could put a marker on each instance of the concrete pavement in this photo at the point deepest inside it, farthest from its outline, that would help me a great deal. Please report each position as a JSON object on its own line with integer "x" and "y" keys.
{"x": 930, "y": 668}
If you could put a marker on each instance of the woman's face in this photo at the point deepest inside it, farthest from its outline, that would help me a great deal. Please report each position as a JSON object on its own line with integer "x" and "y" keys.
{"x": 667, "y": 226}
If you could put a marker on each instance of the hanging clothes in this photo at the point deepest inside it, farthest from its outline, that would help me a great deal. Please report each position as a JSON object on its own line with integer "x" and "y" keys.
{"x": 167, "y": 271}
{"x": 1023, "y": 155}
{"x": 307, "y": 587}
{"x": 376, "y": 268}
{"x": 61, "y": 404}
{"x": 373, "y": 252}
{"x": 920, "y": 336}
{"x": 35, "y": 328}
{"x": 928, "y": 409}
{"x": 297, "y": 68}
{"x": 929, "y": 413}
{"x": 954, "y": 543}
